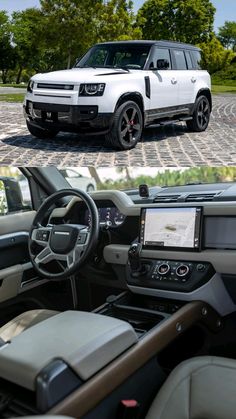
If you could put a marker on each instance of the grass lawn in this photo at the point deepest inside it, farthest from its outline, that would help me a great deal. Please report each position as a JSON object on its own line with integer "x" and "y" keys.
{"x": 19, "y": 86}
{"x": 223, "y": 89}
{"x": 14, "y": 97}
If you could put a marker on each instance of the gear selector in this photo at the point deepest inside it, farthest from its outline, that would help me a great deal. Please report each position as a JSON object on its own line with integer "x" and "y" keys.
{"x": 134, "y": 260}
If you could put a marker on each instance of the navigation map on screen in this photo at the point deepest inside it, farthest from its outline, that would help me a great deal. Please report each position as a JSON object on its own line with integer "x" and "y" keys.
{"x": 171, "y": 227}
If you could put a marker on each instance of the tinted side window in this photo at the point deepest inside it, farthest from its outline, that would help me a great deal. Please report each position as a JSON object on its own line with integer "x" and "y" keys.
{"x": 179, "y": 59}
{"x": 196, "y": 57}
{"x": 189, "y": 60}
{"x": 161, "y": 54}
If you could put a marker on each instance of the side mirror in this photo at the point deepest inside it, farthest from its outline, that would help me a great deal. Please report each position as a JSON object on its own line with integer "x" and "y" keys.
{"x": 11, "y": 199}
{"x": 163, "y": 64}
{"x": 3, "y": 200}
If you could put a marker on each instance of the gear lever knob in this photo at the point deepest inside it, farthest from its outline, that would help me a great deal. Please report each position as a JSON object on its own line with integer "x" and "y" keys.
{"x": 134, "y": 259}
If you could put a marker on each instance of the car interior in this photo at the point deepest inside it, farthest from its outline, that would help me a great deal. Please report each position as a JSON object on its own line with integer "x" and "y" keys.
{"x": 117, "y": 303}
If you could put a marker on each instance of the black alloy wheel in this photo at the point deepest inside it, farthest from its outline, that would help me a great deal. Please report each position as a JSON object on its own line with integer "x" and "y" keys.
{"x": 201, "y": 115}
{"x": 127, "y": 127}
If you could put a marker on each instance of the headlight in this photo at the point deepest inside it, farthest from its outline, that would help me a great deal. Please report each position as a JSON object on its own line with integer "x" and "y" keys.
{"x": 94, "y": 89}
{"x": 30, "y": 86}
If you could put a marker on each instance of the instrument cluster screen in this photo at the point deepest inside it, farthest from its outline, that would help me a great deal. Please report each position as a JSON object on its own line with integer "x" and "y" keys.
{"x": 171, "y": 227}
{"x": 109, "y": 217}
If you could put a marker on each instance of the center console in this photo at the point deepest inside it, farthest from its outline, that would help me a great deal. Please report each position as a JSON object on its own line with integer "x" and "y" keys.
{"x": 172, "y": 275}
{"x": 173, "y": 228}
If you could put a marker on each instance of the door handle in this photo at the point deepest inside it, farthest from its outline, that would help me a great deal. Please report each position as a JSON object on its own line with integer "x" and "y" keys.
{"x": 174, "y": 80}
{"x": 193, "y": 79}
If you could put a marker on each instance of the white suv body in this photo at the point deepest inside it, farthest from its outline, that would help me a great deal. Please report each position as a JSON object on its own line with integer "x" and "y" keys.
{"x": 118, "y": 88}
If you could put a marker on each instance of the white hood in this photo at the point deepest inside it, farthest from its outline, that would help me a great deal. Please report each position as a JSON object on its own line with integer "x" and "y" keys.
{"x": 80, "y": 75}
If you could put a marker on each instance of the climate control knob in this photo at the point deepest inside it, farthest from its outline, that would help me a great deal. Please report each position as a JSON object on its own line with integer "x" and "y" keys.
{"x": 182, "y": 271}
{"x": 163, "y": 269}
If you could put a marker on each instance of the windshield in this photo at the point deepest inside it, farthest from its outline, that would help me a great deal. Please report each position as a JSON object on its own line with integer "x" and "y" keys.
{"x": 116, "y": 56}
{"x": 131, "y": 177}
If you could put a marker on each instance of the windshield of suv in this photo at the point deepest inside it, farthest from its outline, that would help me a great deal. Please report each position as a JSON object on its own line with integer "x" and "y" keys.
{"x": 124, "y": 178}
{"x": 116, "y": 56}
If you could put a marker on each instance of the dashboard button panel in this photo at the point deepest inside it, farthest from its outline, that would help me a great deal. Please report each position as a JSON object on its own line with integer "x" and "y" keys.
{"x": 172, "y": 275}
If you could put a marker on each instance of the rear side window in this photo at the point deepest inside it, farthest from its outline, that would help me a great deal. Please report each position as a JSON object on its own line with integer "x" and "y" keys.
{"x": 196, "y": 58}
{"x": 189, "y": 60}
{"x": 179, "y": 58}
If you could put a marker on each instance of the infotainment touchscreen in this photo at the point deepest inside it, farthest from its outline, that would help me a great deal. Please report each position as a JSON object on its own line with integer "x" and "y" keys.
{"x": 171, "y": 227}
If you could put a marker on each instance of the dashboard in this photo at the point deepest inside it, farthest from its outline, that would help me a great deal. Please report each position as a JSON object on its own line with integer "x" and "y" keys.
{"x": 188, "y": 249}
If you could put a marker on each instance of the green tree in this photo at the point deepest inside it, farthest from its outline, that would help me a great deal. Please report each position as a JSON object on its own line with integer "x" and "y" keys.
{"x": 7, "y": 52}
{"x": 69, "y": 26}
{"x": 180, "y": 20}
{"x": 116, "y": 21}
{"x": 227, "y": 34}
{"x": 27, "y": 30}
{"x": 175, "y": 178}
{"x": 214, "y": 56}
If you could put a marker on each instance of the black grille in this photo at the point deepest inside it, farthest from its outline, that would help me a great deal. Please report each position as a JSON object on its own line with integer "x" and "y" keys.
{"x": 51, "y": 107}
{"x": 55, "y": 86}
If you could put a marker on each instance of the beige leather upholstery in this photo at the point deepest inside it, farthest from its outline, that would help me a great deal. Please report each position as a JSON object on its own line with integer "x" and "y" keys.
{"x": 84, "y": 341}
{"x": 201, "y": 388}
{"x": 24, "y": 321}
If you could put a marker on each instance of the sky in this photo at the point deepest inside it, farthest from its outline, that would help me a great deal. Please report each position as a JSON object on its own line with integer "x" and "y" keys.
{"x": 226, "y": 9}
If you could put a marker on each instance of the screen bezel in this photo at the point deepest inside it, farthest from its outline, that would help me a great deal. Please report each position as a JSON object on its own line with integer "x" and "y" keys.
{"x": 170, "y": 248}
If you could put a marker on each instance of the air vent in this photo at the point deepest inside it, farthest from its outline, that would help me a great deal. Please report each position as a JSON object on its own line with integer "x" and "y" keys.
{"x": 166, "y": 198}
{"x": 201, "y": 197}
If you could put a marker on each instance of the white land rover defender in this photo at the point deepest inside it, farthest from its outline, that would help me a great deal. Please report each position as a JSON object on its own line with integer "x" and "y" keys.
{"x": 118, "y": 88}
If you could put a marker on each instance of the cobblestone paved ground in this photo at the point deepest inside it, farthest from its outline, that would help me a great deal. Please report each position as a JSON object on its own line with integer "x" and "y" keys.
{"x": 170, "y": 146}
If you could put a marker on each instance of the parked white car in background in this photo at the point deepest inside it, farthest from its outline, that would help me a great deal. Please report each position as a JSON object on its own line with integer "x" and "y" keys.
{"x": 119, "y": 88}
{"x": 76, "y": 180}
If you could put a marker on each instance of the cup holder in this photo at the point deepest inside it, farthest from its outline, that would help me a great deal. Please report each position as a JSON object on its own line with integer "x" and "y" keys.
{"x": 141, "y": 321}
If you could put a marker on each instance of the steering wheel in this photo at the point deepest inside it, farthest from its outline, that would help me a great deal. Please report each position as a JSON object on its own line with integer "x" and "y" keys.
{"x": 67, "y": 244}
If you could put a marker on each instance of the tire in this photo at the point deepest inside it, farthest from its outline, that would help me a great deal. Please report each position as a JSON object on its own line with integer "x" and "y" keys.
{"x": 201, "y": 115}
{"x": 41, "y": 132}
{"x": 127, "y": 127}
{"x": 90, "y": 188}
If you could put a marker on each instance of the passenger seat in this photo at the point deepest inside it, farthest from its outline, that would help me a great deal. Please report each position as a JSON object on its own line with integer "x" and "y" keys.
{"x": 200, "y": 388}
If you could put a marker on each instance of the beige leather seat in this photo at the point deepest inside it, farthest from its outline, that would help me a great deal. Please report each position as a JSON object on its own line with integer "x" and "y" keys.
{"x": 201, "y": 388}
{"x": 23, "y": 322}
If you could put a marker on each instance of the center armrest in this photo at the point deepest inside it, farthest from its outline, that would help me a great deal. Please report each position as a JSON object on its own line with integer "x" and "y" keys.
{"x": 84, "y": 341}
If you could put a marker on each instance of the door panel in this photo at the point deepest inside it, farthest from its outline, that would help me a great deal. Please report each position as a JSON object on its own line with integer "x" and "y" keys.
{"x": 186, "y": 81}
{"x": 13, "y": 223}
{"x": 164, "y": 89}
{"x": 164, "y": 83}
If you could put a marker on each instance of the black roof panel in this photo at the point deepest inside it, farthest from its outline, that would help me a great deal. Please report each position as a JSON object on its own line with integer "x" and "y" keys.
{"x": 161, "y": 43}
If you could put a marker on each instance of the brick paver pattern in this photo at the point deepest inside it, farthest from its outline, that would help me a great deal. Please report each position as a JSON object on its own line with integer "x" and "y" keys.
{"x": 171, "y": 146}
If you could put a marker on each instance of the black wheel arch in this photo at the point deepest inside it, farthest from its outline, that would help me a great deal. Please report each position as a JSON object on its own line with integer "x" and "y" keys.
{"x": 134, "y": 97}
{"x": 205, "y": 92}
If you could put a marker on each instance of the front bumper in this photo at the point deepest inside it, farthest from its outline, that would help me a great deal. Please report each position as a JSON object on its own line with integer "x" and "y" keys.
{"x": 68, "y": 118}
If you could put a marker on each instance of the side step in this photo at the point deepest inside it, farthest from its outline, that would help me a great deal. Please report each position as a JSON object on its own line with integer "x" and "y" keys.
{"x": 170, "y": 121}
